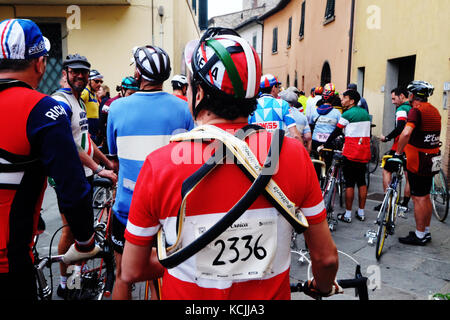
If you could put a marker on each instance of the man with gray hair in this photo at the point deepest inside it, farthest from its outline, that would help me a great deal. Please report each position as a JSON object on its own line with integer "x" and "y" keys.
{"x": 301, "y": 122}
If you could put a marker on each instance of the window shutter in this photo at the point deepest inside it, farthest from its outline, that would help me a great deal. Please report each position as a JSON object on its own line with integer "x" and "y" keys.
{"x": 275, "y": 40}
{"x": 329, "y": 11}
{"x": 302, "y": 22}
{"x": 289, "y": 36}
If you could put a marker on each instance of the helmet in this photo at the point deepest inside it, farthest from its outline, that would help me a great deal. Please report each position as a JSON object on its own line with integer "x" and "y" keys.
{"x": 129, "y": 83}
{"x": 226, "y": 64}
{"x": 318, "y": 90}
{"x": 153, "y": 63}
{"x": 94, "y": 74}
{"x": 179, "y": 81}
{"x": 75, "y": 61}
{"x": 420, "y": 88}
{"x": 268, "y": 80}
{"x": 328, "y": 91}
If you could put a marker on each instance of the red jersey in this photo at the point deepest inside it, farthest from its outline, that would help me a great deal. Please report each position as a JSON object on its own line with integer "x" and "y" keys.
{"x": 260, "y": 238}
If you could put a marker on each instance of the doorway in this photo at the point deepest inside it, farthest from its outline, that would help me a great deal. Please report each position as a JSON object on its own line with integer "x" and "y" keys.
{"x": 399, "y": 72}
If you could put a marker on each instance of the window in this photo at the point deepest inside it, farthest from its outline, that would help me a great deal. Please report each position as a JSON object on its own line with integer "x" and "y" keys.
{"x": 275, "y": 40}
{"x": 194, "y": 6}
{"x": 302, "y": 21}
{"x": 288, "y": 82}
{"x": 289, "y": 36}
{"x": 329, "y": 11}
{"x": 254, "y": 40}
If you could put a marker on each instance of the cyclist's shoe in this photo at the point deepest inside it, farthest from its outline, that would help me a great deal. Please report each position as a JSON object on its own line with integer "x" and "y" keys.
{"x": 428, "y": 236}
{"x": 378, "y": 207}
{"x": 62, "y": 293}
{"x": 412, "y": 239}
{"x": 360, "y": 218}
{"x": 343, "y": 218}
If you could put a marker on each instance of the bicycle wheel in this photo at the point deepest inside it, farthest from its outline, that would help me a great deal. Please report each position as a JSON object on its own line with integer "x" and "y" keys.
{"x": 382, "y": 222}
{"x": 440, "y": 196}
{"x": 374, "y": 155}
{"x": 96, "y": 278}
{"x": 101, "y": 197}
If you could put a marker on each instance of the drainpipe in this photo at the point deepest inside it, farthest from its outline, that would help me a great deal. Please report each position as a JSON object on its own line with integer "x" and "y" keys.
{"x": 350, "y": 42}
{"x": 153, "y": 27}
{"x": 262, "y": 41}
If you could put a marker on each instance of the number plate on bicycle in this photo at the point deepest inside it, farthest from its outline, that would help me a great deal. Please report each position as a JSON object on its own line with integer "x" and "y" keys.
{"x": 244, "y": 251}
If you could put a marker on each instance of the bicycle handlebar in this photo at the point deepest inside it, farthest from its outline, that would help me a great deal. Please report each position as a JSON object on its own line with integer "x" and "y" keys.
{"x": 359, "y": 283}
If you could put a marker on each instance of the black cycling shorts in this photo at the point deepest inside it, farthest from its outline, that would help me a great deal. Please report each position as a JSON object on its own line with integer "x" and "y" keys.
{"x": 420, "y": 186}
{"x": 117, "y": 234}
{"x": 354, "y": 173}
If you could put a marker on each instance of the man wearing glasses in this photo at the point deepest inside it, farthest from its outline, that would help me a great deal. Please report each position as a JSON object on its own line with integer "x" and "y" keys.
{"x": 89, "y": 96}
{"x": 75, "y": 78}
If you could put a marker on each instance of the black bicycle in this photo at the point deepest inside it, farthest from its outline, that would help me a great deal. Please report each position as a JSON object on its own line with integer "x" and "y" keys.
{"x": 334, "y": 185}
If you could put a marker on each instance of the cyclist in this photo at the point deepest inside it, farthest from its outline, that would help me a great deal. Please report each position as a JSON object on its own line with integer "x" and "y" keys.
{"x": 89, "y": 97}
{"x": 323, "y": 121}
{"x": 137, "y": 125}
{"x": 271, "y": 112}
{"x": 225, "y": 105}
{"x": 312, "y": 101}
{"x": 179, "y": 86}
{"x": 75, "y": 72}
{"x": 400, "y": 100}
{"x": 356, "y": 122}
{"x": 420, "y": 142}
{"x": 35, "y": 141}
{"x": 300, "y": 119}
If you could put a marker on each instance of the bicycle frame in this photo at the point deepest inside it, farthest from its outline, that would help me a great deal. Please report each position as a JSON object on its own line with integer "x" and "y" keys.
{"x": 332, "y": 185}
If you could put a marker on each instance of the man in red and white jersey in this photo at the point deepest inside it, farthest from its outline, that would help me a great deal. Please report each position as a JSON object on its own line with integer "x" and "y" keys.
{"x": 251, "y": 259}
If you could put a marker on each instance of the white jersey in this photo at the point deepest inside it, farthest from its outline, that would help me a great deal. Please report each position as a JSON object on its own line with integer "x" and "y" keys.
{"x": 78, "y": 121}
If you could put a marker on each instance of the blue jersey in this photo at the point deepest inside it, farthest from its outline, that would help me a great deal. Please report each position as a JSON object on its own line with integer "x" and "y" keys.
{"x": 137, "y": 125}
{"x": 272, "y": 114}
{"x": 325, "y": 123}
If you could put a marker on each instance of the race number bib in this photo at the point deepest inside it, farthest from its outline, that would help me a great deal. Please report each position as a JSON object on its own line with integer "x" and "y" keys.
{"x": 269, "y": 125}
{"x": 244, "y": 251}
{"x": 322, "y": 137}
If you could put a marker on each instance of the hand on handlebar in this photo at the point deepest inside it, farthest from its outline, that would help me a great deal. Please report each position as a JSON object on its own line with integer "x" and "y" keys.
{"x": 108, "y": 174}
{"x": 73, "y": 255}
{"x": 310, "y": 289}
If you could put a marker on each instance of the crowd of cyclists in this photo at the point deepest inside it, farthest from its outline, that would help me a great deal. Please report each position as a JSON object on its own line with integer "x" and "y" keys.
{"x": 224, "y": 98}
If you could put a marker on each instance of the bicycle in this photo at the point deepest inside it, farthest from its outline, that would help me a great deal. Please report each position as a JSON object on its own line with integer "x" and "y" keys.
{"x": 387, "y": 215}
{"x": 440, "y": 196}
{"x": 95, "y": 278}
{"x": 300, "y": 261}
{"x": 334, "y": 184}
{"x": 374, "y": 152}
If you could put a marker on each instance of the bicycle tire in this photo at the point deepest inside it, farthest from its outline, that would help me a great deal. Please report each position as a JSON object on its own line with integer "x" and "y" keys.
{"x": 440, "y": 196}
{"x": 382, "y": 224}
{"x": 101, "y": 197}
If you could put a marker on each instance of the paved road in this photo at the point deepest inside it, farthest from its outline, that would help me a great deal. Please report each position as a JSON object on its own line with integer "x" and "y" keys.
{"x": 403, "y": 272}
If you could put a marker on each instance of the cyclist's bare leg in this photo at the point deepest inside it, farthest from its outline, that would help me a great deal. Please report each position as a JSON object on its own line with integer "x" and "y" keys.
{"x": 422, "y": 211}
{"x": 407, "y": 191}
{"x": 122, "y": 290}
{"x": 349, "y": 196}
{"x": 386, "y": 179}
{"x": 362, "y": 196}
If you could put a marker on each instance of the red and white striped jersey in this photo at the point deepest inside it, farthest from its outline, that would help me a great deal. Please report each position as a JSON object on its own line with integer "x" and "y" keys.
{"x": 251, "y": 259}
